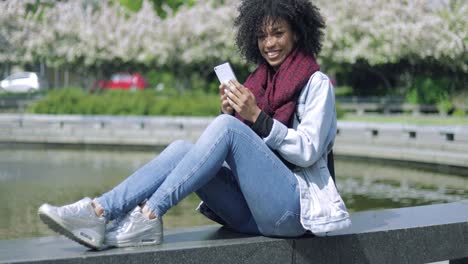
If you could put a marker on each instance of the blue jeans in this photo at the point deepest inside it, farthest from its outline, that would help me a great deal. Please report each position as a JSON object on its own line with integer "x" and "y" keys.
{"x": 230, "y": 168}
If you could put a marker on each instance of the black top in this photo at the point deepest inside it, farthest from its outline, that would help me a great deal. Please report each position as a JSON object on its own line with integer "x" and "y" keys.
{"x": 263, "y": 125}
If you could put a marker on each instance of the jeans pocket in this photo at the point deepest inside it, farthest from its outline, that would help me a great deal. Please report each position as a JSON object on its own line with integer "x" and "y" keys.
{"x": 289, "y": 225}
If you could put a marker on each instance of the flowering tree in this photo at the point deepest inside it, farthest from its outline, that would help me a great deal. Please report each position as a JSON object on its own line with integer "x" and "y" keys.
{"x": 12, "y": 32}
{"x": 386, "y": 31}
{"x": 76, "y": 32}
{"x": 85, "y": 33}
{"x": 203, "y": 32}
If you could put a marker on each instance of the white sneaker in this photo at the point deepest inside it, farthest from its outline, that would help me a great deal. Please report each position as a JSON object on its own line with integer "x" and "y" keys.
{"x": 114, "y": 224}
{"x": 135, "y": 229}
{"x": 77, "y": 221}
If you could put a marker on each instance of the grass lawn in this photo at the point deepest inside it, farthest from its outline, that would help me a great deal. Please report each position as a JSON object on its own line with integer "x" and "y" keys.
{"x": 408, "y": 119}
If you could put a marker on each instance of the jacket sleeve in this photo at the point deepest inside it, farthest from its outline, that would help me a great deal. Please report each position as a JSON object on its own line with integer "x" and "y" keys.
{"x": 311, "y": 139}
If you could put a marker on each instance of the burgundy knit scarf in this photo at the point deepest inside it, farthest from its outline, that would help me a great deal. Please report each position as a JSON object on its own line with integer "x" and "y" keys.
{"x": 277, "y": 92}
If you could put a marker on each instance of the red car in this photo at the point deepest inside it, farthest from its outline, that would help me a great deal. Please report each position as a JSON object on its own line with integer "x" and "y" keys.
{"x": 124, "y": 81}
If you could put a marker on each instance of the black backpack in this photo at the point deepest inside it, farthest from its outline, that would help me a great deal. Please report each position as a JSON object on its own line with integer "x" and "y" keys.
{"x": 331, "y": 165}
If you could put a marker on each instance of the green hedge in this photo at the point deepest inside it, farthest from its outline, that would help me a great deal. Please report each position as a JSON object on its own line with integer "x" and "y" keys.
{"x": 149, "y": 102}
{"x": 77, "y": 101}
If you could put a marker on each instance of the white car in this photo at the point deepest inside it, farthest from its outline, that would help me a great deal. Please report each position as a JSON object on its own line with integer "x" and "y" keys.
{"x": 21, "y": 82}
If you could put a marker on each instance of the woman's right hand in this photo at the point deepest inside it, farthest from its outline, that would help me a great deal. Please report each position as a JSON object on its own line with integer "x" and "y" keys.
{"x": 225, "y": 106}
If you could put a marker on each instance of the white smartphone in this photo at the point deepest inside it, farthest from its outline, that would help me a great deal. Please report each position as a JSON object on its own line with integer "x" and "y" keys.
{"x": 225, "y": 72}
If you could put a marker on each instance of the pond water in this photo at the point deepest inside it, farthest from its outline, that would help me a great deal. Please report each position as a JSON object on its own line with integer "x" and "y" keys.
{"x": 30, "y": 177}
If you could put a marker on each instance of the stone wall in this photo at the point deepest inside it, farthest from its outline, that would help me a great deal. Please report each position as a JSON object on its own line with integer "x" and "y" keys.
{"x": 440, "y": 145}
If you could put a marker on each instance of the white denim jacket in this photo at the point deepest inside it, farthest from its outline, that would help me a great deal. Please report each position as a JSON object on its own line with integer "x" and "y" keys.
{"x": 306, "y": 145}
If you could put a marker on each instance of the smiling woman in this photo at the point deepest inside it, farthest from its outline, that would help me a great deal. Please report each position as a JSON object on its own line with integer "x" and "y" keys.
{"x": 303, "y": 18}
{"x": 259, "y": 168}
{"x": 275, "y": 41}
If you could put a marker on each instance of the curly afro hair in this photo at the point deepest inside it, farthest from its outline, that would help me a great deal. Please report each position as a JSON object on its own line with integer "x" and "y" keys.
{"x": 303, "y": 17}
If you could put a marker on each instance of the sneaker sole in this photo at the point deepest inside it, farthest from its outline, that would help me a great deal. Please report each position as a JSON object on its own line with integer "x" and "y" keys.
{"x": 58, "y": 228}
{"x": 136, "y": 244}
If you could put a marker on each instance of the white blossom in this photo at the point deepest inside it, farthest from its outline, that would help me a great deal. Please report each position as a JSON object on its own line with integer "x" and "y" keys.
{"x": 91, "y": 33}
{"x": 381, "y": 31}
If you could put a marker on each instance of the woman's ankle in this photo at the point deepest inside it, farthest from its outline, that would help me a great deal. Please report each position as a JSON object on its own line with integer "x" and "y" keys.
{"x": 98, "y": 210}
{"x": 148, "y": 213}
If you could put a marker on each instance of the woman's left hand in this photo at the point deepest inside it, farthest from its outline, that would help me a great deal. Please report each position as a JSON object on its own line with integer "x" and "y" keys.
{"x": 243, "y": 101}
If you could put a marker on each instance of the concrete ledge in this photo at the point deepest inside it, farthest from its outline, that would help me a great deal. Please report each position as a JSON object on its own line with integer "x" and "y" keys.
{"x": 438, "y": 145}
{"x": 206, "y": 244}
{"x": 406, "y": 235}
{"x": 401, "y": 153}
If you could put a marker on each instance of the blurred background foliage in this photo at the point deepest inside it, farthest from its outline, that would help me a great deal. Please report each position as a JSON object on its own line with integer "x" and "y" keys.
{"x": 415, "y": 49}
{"x": 162, "y": 7}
